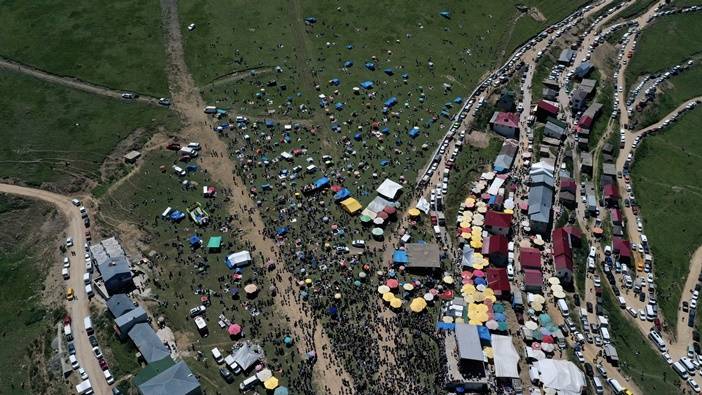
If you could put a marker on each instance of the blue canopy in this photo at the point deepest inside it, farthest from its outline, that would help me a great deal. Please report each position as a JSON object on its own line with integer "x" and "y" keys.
{"x": 191, "y": 168}
{"x": 269, "y": 123}
{"x": 332, "y": 310}
{"x": 195, "y": 241}
{"x": 370, "y": 66}
{"x": 414, "y": 132}
{"x": 339, "y": 106}
{"x": 177, "y": 215}
{"x": 484, "y": 334}
{"x": 386, "y": 131}
{"x": 399, "y": 257}
{"x": 342, "y": 194}
{"x": 281, "y": 231}
{"x": 357, "y": 136}
{"x": 445, "y": 14}
{"x": 348, "y": 63}
{"x": 335, "y": 81}
{"x": 349, "y": 46}
{"x": 310, "y": 20}
{"x": 446, "y": 326}
{"x": 321, "y": 183}
{"x": 384, "y": 162}
{"x": 458, "y": 100}
{"x": 405, "y": 76}
{"x": 389, "y": 71}
{"x": 391, "y": 101}
{"x": 367, "y": 84}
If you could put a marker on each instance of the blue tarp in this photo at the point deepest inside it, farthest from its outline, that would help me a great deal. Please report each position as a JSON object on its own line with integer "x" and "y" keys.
{"x": 357, "y": 136}
{"x": 458, "y": 100}
{"x": 386, "y": 131}
{"x": 399, "y": 257}
{"x": 191, "y": 168}
{"x": 339, "y": 106}
{"x": 195, "y": 241}
{"x": 484, "y": 335}
{"x": 281, "y": 231}
{"x": 445, "y": 14}
{"x": 370, "y": 66}
{"x": 391, "y": 102}
{"x": 310, "y": 20}
{"x": 348, "y": 63}
{"x": 389, "y": 71}
{"x": 177, "y": 215}
{"x": 335, "y": 81}
{"x": 446, "y": 326}
{"x": 349, "y": 46}
{"x": 367, "y": 84}
{"x": 321, "y": 183}
{"x": 414, "y": 132}
{"x": 342, "y": 194}
{"x": 384, "y": 162}
{"x": 405, "y": 76}
{"x": 269, "y": 123}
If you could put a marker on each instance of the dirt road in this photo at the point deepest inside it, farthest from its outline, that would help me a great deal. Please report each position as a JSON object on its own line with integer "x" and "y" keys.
{"x": 72, "y": 82}
{"x": 329, "y": 373}
{"x": 80, "y": 307}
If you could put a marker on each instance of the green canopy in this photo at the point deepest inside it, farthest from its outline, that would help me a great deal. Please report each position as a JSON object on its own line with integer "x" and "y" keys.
{"x": 214, "y": 243}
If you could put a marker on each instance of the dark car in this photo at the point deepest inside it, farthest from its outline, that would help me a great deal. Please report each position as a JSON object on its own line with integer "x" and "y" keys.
{"x": 588, "y": 305}
{"x": 86, "y": 222}
{"x": 599, "y": 310}
{"x": 576, "y": 299}
{"x": 226, "y": 375}
{"x": 642, "y": 297}
{"x": 685, "y": 307}
{"x": 103, "y": 364}
{"x": 93, "y": 340}
{"x": 173, "y": 146}
{"x": 71, "y": 348}
{"x": 589, "y": 371}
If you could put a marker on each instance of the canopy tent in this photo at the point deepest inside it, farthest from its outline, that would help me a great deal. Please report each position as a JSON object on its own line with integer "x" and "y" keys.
{"x": 468, "y": 342}
{"x": 506, "y": 357}
{"x": 389, "y": 189}
{"x": 351, "y": 205}
{"x": 238, "y": 259}
{"x": 195, "y": 241}
{"x": 342, "y": 194}
{"x": 321, "y": 183}
{"x": 399, "y": 257}
{"x": 562, "y": 376}
{"x": 214, "y": 244}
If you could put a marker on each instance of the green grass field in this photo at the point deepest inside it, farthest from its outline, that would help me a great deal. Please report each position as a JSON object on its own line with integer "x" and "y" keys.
{"x": 665, "y": 43}
{"x": 117, "y": 44}
{"x": 667, "y": 180}
{"x": 637, "y": 358}
{"x": 675, "y": 91}
{"x": 26, "y": 320}
{"x": 53, "y": 134}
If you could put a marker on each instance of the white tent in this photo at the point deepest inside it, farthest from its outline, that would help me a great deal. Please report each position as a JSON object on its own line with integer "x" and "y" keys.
{"x": 506, "y": 357}
{"x": 238, "y": 259}
{"x": 389, "y": 189}
{"x": 496, "y": 185}
{"x": 562, "y": 376}
{"x": 423, "y": 205}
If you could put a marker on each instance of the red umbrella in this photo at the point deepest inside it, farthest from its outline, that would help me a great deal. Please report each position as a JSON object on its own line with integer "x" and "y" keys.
{"x": 547, "y": 339}
{"x": 234, "y": 329}
{"x": 336, "y": 188}
{"x": 479, "y": 273}
{"x": 392, "y": 283}
{"x": 390, "y": 210}
{"x": 447, "y": 295}
{"x": 383, "y": 215}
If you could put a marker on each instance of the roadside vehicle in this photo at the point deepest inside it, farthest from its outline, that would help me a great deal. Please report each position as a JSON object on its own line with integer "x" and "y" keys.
{"x": 69, "y": 294}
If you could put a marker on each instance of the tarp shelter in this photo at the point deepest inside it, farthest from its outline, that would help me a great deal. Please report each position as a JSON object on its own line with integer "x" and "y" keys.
{"x": 389, "y": 71}
{"x": 468, "y": 342}
{"x": 238, "y": 259}
{"x": 335, "y": 81}
{"x": 370, "y": 66}
{"x": 214, "y": 244}
{"x": 195, "y": 241}
{"x": 399, "y": 257}
{"x": 389, "y": 189}
{"x": 391, "y": 101}
{"x": 177, "y": 215}
{"x": 484, "y": 335}
{"x": 342, "y": 194}
{"x": 367, "y": 84}
{"x": 247, "y": 355}
{"x": 562, "y": 376}
{"x": 467, "y": 256}
{"x": 414, "y": 132}
{"x": 351, "y": 205}
{"x": 506, "y": 357}
{"x": 348, "y": 63}
{"x": 321, "y": 183}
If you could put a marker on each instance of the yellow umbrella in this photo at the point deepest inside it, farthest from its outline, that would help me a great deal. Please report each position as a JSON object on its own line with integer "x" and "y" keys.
{"x": 413, "y": 212}
{"x": 508, "y": 211}
{"x": 467, "y": 288}
{"x": 489, "y": 352}
{"x": 475, "y": 322}
{"x": 554, "y": 280}
{"x": 477, "y": 256}
{"x": 388, "y": 296}
{"x": 479, "y": 297}
{"x": 537, "y": 306}
{"x": 396, "y": 303}
{"x": 308, "y": 281}
{"x": 491, "y": 297}
{"x": 476, "y": 244}
{"x": 448, "y": 279}
{"x": 418, "y": 304}
{"x": 465, "y": 235}
{"x": 271, "y": 383}
{"x": 468, "y": 298}
{"x": 465, "y": 223}
{"x": 556, "y": 288}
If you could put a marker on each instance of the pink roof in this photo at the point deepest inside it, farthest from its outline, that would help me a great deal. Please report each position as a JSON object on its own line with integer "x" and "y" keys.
{"x": 568, "y": 184}
{"x": 548, "y": 106}
{"x": 621, "y": 246}
{"x": 497, "y": 219}
{"x": 585, "y": 121}
{"x": 615, "y": 214}
{"x": 530, "y": 258}
{"x": 495, "y": 244}
{"x": 563, "y": 262}
{"x": 497, "y": 279}
{"x": 610, "y": 191}
{"x": 508, "y": 119}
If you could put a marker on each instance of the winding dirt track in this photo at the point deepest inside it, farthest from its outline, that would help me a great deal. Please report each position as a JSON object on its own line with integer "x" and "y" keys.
{"x": 71, "y": 82}
{"x": 79, "y": 308}
{"x": 329, "y": 373}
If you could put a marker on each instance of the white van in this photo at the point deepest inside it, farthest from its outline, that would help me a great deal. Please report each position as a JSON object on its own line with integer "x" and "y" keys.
{"x": 616, "y": 387}
{"x": 88, "y": 323}
{"x": 679, "y": 368}
{"x": 68, "y": 332}
{"x": 179, "y": 171}
{"x": 66, "y": 275}
{"x": 217, "y": 356}
{"x": 108, "y": 376}
{"x": 195, "y": 146}
{"x": 605, "y": 335}
{"x": 597, "y": 383}
{"x": 89, "y": 265}
{"x": 563, "y": 307}
{"x": 210, "y": 109}
{"x": 687, "y": 363}
{"x": 650, "y": 313}
{"x": 248, "y": 383}
{"x": 89, "y": 290}
{"x": 622, "y": 302}
{"x": 86, "y": 278}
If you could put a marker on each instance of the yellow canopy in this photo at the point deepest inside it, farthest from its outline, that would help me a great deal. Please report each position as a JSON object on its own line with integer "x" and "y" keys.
{"x": 418, "y": 304}
{"x": 271, "y": 383}
{"x": 413, "y": 212}
{"x": 388, "y": 296}
{"x": 351, "y": 205}
{"x": 396, "y": 303}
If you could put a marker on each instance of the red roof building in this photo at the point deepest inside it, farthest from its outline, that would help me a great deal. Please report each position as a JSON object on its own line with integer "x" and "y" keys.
{"x": 496, "y": 248}
{"x": 585, "y": 122}
{"x": 568, "y": 184}
{"x": 563, "y": 262}
{"x": 498, "y": 223}
{"x": 610, "y": 192}
{"x": 622, "y": 247}
{"x": 547, "y": 106}
{"x": 530, "y": 258}
{"x": 616, "y": 215}
{"x": 533, "y": 281}
{"x": 562, "y": 255}
{"x": 561, "y": 242}
{"x": 507, "y": 119}
{"x": 498, "y": 281}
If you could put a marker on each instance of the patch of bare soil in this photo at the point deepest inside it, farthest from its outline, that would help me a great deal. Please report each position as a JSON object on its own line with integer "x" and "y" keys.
{"x": 536, "y": 14}
{"x": 478, "y": 139}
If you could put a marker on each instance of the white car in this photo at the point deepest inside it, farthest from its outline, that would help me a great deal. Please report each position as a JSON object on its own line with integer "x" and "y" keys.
{"x": 510, "y": 272}
{"x": 667, "y": 358}
{"x": 593, "y": 252}
{"x": 75, "y": 202}
{"x": 693, "y": 384}
{"x": 83, "y": 374}
{"x": 359, "y": 243}
{"x": 580, "y": 356}
{"x": 693, "y": 304}
{"x": 74, "y": 361}
{"x": 66, "y": 263}
{"x": 69, "y": 242}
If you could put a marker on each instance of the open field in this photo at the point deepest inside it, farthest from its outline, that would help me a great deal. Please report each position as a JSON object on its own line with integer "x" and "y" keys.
{"x": 117, "y": 44}
{"x": 637, "y": 357}
{"x": 667, "y": 179}
{"x": 57, "y": 135}
{"x": 664, "y": 43}
{"x": 673, "y": 92}
{"x": 27, "y": 324}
